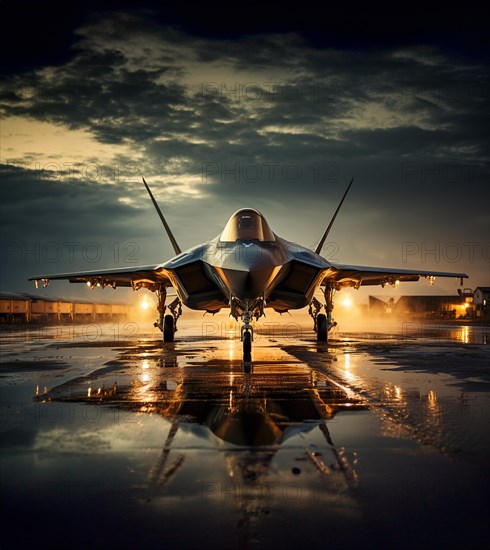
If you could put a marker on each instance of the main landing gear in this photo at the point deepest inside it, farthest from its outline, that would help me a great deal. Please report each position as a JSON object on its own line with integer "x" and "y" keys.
{"x": 323, "y": 322}
{"x": 167, "y": 323}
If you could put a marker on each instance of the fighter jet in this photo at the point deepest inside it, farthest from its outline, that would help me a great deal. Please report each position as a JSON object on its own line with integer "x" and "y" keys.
{"x": 246, "y": 268}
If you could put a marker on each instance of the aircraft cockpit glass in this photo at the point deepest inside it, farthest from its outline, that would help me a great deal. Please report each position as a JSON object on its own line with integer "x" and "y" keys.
{"x": 247, "y": 224}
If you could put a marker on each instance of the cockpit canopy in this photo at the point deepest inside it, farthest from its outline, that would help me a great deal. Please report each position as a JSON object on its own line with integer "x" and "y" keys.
{"x": 247, "y": 224}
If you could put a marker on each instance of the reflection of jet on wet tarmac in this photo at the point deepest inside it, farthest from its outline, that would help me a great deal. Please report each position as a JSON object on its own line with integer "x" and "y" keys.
{"x": 250, "y": 443}
{"x": 256, "y": 414}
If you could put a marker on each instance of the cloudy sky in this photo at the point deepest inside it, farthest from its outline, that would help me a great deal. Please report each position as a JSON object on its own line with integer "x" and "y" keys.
{"x": 276, "y": 112}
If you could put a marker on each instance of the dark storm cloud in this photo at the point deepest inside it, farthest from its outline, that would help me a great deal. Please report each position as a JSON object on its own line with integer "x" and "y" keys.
{"x": 103, "y": 90}
{"x": 54, "y": 224}
{"x": 397, "y": 140}
{"x": 98, "y": 93}
{"x": 32, "y": 196}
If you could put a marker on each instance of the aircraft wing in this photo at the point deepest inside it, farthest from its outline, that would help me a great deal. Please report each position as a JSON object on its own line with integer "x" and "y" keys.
{"x": 358, "y": 275}
{"x": 136, "y": 277}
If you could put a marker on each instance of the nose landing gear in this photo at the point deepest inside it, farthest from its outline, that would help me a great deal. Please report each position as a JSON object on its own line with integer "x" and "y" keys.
{"x": 246, "y": 336}
{"x": 246, "y": 310}
{"x": 247, "y": 346}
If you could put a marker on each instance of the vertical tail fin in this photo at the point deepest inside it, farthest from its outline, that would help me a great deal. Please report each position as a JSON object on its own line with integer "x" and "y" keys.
{"x": 322, "y": 240}
{"x": 176, "y": 247}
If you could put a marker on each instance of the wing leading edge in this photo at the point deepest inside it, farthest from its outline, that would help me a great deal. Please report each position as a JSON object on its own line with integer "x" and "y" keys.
{"x": 357, "y": 275}
{"x": 137, "y": 277}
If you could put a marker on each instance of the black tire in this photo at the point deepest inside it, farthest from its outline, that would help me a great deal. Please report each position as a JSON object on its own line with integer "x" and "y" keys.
{"x": 321, "y": 328}
{"x": 168, "y": 328}
{"x": 247, "y": 346}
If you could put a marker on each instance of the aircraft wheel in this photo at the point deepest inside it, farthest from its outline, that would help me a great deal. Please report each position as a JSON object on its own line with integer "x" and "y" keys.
{"x": 168, "y": 328}
{"x": 321, "y": 328}
{"x": 247, "y": 346}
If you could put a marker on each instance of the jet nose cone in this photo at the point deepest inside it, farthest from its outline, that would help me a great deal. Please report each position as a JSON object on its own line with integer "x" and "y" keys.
{"x": 246, "y": 283}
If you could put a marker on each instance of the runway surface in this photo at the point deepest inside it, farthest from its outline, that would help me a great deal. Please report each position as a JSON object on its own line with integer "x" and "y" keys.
{"x": 111, "y": 438}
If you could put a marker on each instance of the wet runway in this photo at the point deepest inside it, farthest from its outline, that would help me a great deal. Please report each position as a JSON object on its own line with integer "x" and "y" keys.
{"x": 112, "y": 439}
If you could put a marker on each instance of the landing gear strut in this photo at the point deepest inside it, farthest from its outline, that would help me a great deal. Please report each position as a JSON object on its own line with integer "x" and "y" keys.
{"x": 323, "y": 322}
{"x": 167, "y": 323}
{"x": 247, "y": 346}
{"x": 246, "y": 336}
{"x": 246, "y": 310}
